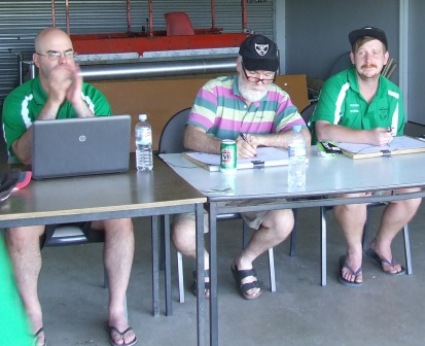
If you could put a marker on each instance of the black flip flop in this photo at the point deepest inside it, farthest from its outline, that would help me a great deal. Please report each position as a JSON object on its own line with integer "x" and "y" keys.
{"x": 341, "y": 279}
{"x": 379, "y": 261}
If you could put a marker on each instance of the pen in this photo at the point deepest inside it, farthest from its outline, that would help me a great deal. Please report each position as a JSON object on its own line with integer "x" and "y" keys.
{"x": 243, "y": 137}
{"x": 390, "y": 129}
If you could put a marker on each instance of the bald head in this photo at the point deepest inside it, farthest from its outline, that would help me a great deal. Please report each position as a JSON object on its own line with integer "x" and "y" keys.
{"x": 51, "y": 37}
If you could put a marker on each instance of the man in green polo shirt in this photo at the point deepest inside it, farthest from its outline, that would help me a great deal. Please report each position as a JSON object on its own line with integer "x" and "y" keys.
{"x": 359, "y": 105}
{"x": 57, "y": 93}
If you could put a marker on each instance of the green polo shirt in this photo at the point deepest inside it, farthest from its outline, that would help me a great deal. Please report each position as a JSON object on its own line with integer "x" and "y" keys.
{"x": 23, "y": 105}
{"x": 341, "y": 103}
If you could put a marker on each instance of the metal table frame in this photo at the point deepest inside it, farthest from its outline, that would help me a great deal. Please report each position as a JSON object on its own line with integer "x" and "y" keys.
{"x": 19, "y": 211}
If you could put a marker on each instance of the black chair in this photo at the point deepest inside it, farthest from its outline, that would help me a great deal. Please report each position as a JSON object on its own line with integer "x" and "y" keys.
{"x": 72, "y": 234}
{"x": 306, "y": 114}
{"x": 171, "y": 141}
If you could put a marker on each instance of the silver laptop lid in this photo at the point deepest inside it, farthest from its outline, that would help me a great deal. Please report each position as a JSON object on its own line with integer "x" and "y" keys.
{"x": 80, "y": 146}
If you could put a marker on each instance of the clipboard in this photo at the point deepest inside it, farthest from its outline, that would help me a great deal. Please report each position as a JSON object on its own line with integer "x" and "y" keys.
{"x": 266, "y": 157}
{"x": 398, "y": 146}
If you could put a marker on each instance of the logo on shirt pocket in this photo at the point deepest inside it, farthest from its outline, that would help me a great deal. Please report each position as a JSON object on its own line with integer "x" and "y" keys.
{"x": 383, "y": 113}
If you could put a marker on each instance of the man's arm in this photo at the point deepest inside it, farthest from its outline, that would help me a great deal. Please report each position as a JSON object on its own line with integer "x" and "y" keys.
{"x": 329, "y": 132}
{"x": 280, "y": 140}
{"x": 197, "y": 139}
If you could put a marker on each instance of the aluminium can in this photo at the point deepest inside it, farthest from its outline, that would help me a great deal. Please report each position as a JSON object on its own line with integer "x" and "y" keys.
{"x": 228, "y": 156}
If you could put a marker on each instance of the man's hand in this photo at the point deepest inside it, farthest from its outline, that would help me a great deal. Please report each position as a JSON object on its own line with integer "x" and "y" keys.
{"x": 247, "y": 146}
{"x": 73, "y": 94}
{"x": 381, "y": 136}
{"x": 58, "y": 83}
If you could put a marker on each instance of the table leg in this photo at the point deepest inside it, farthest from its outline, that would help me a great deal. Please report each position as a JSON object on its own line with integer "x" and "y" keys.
{"x": 213, "y": 275}
{"x": 155, "y": 265}
{"x": 200, "y": 299}
{"x": 167, "y": 259}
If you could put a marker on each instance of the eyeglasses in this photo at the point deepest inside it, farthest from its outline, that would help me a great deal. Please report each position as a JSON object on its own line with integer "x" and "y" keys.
{"x": 56, "y": 56}
{"x": 256, "y": 79}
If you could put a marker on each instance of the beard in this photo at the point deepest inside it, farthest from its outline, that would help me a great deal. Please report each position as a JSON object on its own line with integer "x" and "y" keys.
{"x": 251, "y": 92}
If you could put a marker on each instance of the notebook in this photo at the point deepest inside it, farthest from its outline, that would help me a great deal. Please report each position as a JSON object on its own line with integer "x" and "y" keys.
{"x": 80, "y": 146}
{"x": 266, "y": 157}
{"x": 398, "y": 146}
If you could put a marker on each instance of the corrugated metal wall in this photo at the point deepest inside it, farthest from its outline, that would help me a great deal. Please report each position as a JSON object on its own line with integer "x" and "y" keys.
{"x": 21, "y": 20}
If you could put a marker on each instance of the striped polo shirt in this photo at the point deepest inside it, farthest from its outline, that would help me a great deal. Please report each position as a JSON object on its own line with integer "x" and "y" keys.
{"x": 221, "y": 111}
{"x": 341, "y": 103}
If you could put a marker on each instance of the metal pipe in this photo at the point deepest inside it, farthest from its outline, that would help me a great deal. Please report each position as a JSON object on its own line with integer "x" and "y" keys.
{"x": 142, "y": 69}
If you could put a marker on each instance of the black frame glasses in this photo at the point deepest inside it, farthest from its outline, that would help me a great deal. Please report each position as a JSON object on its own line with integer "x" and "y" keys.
{"x": 256, "y": 79}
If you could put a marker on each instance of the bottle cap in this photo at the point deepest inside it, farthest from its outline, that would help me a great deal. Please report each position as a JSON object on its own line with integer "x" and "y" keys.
{"x": 143, "y": 117}
{"x": 297, "y": 128}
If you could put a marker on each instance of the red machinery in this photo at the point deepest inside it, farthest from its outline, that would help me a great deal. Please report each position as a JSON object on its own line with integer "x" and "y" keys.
{"x": 154, "y": 40}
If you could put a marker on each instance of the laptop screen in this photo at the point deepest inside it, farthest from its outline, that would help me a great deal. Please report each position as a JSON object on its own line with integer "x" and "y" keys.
{"x": 80, "y": 146}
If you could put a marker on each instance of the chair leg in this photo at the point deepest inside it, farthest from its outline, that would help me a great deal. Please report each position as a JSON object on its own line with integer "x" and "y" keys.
{"x": 293, "y": 236}
{"x": 272, "y": 271}
{"x": 407, "y": 252}
{"x": 245, "y": 235}
{"x": 180, "y": 276}
{"x": 365, "y": 235}
{"x": 323, "y": 244}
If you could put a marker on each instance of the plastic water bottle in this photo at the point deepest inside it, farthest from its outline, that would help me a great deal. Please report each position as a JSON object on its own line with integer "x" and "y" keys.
{"x": 297, "y": 152}
{"x": 143, "y": 135}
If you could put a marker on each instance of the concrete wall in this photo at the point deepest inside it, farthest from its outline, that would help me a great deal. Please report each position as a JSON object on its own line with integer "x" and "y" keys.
{"x": 317, "y": 31}
{"x": 416, "y": 59}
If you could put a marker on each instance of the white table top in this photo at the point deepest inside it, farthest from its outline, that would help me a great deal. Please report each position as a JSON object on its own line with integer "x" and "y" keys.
{"x": 325, "y": 176}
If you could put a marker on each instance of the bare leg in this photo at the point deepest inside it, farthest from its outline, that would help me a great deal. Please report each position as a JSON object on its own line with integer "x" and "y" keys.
{"x": 184, "y": 238}
{"x": 396, "y": 215}
{"x": 118, "y": 257}
{"x": 24, "y": 248}
{"x": 351, "y": 219}
{"x": 274, "y": 229}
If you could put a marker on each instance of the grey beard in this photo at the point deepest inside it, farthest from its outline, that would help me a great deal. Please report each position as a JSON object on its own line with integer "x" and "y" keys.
{"x": 249, "y": 94}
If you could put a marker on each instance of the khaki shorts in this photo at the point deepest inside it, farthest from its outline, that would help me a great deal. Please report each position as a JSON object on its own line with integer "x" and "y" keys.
{"x": 253, "y": 219}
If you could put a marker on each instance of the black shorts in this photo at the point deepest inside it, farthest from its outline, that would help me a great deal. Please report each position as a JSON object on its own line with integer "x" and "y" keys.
{"x": 91, "y": 234}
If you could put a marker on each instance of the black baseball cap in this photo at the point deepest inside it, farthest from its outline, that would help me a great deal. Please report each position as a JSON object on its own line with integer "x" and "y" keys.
{"x": 368, "y": 31}
{"x": 259, "y": 53}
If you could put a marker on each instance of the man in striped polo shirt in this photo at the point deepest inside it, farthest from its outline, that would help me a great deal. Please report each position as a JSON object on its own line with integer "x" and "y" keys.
{"x": 359, "y": 105}
{"x": 247, "y": 103}
{"x": 57, "y": 93}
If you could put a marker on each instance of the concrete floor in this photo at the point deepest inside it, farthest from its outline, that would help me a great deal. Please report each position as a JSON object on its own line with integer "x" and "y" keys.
{"x": 384, "y": 311}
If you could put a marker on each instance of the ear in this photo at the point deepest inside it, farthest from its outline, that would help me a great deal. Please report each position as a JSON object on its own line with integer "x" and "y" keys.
{"x": 352, "y": 57}
{"x": 386, "y": 57}
{"x": 36, "y": 59}
{"x": 239, "y": 64}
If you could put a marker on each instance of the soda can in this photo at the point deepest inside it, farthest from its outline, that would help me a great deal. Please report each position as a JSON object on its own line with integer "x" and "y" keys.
{"x": 228, "y": 157}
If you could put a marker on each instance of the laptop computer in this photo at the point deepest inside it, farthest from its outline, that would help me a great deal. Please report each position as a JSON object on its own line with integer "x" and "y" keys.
{"x": 80, "y": 146}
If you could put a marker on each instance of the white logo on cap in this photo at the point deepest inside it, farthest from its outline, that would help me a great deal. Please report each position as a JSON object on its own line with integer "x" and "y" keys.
{"x": 261, "y": 49}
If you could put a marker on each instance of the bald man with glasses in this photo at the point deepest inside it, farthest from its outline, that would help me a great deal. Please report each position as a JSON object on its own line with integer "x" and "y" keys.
{"x": 59, "y": 93}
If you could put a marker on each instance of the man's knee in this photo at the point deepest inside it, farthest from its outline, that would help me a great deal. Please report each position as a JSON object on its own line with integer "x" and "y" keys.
{"x": 281, "y": 222}
{"x": 124, "y": 225}
{"x": 184, "y": 231}
{"x": 20, "y": 237}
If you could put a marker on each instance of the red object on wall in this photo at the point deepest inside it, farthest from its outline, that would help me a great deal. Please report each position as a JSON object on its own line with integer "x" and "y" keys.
{"x": 178, "y": 23}
{"x": 122, "y": 43}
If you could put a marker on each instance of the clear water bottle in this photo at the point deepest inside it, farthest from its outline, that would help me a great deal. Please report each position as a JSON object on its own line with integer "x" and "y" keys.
{"x": 297, "y": 152}
{"x": 143, "y": 135}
